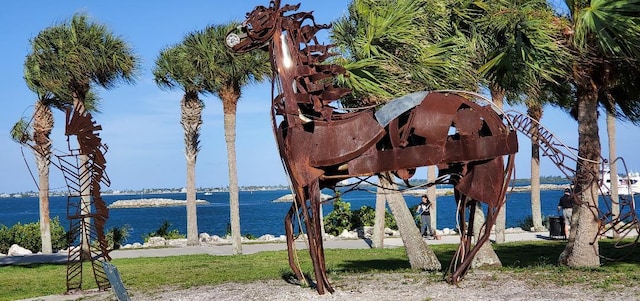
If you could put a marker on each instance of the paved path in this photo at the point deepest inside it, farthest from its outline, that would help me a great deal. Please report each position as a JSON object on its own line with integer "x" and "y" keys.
{"x": 250, "y": 248}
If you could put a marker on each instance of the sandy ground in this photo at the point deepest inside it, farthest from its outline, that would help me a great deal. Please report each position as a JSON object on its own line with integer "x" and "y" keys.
{"x": 478, "y": 285}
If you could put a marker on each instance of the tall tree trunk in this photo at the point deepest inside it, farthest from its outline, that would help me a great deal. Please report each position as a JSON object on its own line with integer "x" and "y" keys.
{"x": 43, "y": 194}
{"x": 419, "y": 253}
{"x": 497, "y": 96}
{"x": 535, "y": 111}
{"x": 191, "y": 122}
{"x": 377, "y": 240}
{"x": 234, "y": 202}
{"x": 85, "y": 207}
{"x": 486, "y": 256}
{"x": 431, "y": 194}
{"x": 613, "y": 186}
{"x": 579, "y": 251}
{"x": 42, "y": 125}
{"x": 230, "y": 95}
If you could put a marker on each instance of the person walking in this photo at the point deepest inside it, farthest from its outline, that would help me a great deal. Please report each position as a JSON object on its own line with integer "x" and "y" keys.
{"x": 566, "y": 205}
{"x": 424, "y": 209}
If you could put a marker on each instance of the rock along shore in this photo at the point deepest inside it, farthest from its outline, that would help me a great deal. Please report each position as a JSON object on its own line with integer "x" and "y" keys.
{"x": 155, "y": 202}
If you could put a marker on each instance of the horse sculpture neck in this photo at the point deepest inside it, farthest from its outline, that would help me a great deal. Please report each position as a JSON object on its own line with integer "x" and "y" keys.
{"x": 305, "y": 84}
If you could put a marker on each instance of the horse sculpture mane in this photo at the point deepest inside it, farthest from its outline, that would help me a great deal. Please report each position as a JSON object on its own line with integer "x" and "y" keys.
{"x": 321, "y": 144}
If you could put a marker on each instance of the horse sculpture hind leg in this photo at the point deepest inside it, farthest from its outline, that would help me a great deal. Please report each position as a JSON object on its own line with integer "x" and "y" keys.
{"x": 466, "y": 252}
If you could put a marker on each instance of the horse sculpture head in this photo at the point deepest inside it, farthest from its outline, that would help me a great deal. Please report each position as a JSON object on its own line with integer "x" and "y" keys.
{"x": 296, "y": 57}
{"x": 258, "y": 28}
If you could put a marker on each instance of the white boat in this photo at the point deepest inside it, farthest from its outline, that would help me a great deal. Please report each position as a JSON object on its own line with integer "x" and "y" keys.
{"x": 626, "y": 184}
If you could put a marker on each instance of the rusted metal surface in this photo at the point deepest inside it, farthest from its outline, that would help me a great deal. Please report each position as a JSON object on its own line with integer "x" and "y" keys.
{"x": 321, "y": 145}
{"x": 84, "y": 171}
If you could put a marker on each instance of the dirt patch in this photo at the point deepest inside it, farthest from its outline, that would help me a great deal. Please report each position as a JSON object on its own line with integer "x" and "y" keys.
{"x": 479, "y": 285}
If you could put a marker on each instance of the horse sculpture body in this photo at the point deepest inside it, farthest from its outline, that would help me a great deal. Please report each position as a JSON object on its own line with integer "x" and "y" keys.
{"x": 321, "y": 145}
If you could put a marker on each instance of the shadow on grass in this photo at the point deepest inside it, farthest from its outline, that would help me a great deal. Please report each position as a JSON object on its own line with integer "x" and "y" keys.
{"x": 368, "y": 265}
{"x": 512, "y": 255}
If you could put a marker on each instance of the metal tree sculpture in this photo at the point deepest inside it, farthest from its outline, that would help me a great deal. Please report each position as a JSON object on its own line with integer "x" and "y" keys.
{"x": 84, "y": 170}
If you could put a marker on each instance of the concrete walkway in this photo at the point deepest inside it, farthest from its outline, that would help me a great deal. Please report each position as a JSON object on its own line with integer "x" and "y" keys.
{"x": 250, "y": 248}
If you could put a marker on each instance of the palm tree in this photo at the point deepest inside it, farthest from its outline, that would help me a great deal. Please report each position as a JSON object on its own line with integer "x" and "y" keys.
{"x": 68, "y": 59}
{"x": 72, "y": 57}
{"x": 174, "y": 68}
{"x": 40, "y": 142}
{"x": 229, "y": 73}
{"x": 517, "y": 39}
{"x": 606, "y": 38}
{"x": 388, "y": 52}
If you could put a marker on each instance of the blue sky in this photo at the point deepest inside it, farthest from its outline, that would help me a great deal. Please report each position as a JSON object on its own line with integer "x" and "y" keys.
{"x": 141, "y": 122}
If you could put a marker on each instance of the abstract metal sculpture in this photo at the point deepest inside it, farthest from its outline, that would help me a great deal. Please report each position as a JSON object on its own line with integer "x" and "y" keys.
{"x": 321, "y": 144}
{"x": 84, "y": 171}
{"x": 623, "y": 226}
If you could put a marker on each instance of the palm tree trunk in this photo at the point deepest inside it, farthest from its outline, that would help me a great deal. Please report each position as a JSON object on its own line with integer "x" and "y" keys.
{"x": 43, "y": 123}
{"x": 486, "y": 256}
{"x": 535, "y": 111}
{"x": 613, "y": 168}
{"x": 191, "y": 120}
{"x": 192, "y": 215}
{"x": 377, "y": 240}
{"x": 43, "y": 194}
{"x": 431, "y": 194}
{"x": 581, "y": 249}
{"x": 419, "y": 253}
{"x": 234, "y": 203}
{"x": 85, "y": 207}
{"x": 536, "y": 211}
{"x": 497, "y": 96}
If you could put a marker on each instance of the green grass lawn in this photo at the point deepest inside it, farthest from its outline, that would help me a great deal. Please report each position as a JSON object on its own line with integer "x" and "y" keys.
{"x": 529, "y": 260}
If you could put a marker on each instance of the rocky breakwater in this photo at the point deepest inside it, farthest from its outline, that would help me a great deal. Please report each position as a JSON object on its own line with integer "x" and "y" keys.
{"x": 449, "y": 191}
{"x": 155, "y": 202}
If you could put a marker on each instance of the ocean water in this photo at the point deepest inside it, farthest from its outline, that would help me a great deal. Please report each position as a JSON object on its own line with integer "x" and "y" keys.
{"x": 259, "y": 215}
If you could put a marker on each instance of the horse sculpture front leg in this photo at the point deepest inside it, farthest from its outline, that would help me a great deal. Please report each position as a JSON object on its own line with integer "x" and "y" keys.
{"x": 310, "y": 213}
{"x": 288, "y": 228}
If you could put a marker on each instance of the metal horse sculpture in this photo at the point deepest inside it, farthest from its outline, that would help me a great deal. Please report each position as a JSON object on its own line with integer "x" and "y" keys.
{"x": 321, "y": 145}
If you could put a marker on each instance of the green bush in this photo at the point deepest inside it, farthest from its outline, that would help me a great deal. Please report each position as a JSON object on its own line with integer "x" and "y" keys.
{"x": 116, "y": 236}
{"x": 527, "y": 223}
{"x": 339, "y": 219}
{"x": 365, "y": 216}
{"x": 164, "y": 232}
{"x": 342, "y": 218}
{"x": 28, "y": 236}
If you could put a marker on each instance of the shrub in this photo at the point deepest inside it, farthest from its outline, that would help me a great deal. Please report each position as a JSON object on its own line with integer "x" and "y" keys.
{"x": 164, "y": 232}
{"x": 116, "y": 236}
{"x": 342, "y": 218}
{"x": 339, "y": 219}
{"x": 527, "y": 223}
{"x": 365, "y": 216}
{"x": 28, "y": 236}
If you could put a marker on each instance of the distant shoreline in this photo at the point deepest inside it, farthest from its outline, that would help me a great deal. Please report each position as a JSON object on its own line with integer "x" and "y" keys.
{"x": 440, "y": 191}
{"x": 155, "y": 202}
{"x": 449, "y": 191}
